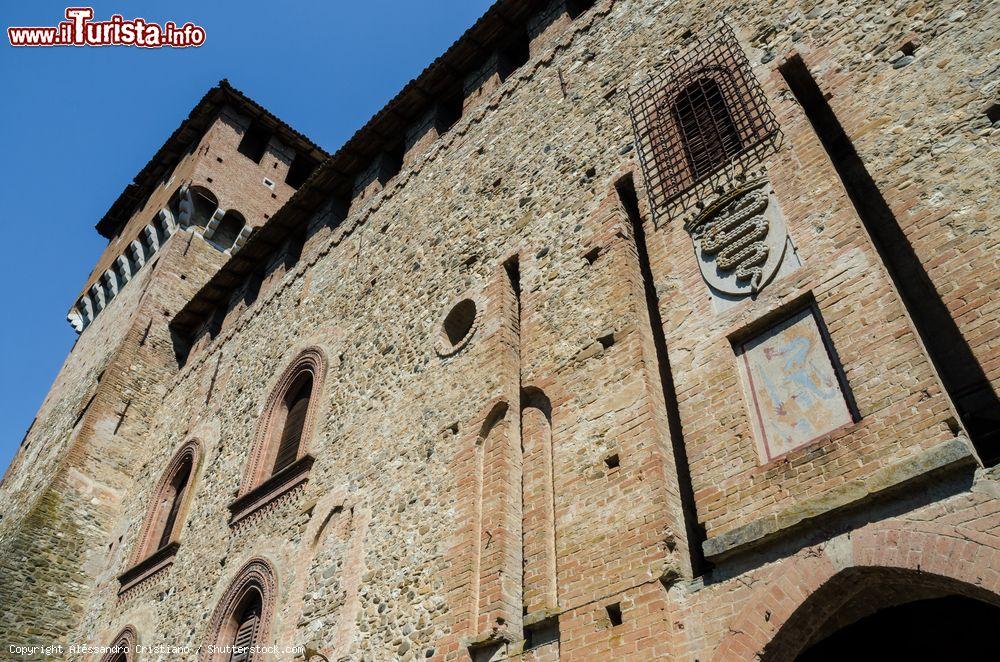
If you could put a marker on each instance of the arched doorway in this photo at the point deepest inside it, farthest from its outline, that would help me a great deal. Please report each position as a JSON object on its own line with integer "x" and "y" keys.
{"x": 954, "y": 627}
{"x": 872, "y": 613}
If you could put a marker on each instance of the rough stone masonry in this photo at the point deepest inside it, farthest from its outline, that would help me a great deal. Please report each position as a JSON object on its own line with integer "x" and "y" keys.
{"x": 630, "y": 329}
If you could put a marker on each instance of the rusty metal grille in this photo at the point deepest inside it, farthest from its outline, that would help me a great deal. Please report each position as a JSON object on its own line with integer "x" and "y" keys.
{"x": 702, "y": 111}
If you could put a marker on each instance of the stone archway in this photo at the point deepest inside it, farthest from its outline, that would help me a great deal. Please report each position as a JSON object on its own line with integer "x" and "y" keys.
{"x": 843, "y": 613}
{"x": 810, "y": 596}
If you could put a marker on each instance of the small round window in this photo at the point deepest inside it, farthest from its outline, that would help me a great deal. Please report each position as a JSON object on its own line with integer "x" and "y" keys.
{"x": 458, "y": 327}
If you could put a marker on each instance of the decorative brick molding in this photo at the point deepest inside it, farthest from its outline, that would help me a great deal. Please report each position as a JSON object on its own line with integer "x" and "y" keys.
{"x": 311, "y": 360}
{"x": 150, "y": 566}
{"x": 124, "y": 643}
{"x": 256, "y": 575}
{"x": 271, "y": 491}
{"x": 147, "y": 561}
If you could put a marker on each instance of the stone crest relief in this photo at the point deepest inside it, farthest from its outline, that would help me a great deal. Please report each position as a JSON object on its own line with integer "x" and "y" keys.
{"x": 740, "y": 240}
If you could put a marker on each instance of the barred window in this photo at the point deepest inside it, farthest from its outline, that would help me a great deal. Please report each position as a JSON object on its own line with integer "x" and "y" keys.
{"x": 708, "y": 134}
{"x": 701, "y": 115}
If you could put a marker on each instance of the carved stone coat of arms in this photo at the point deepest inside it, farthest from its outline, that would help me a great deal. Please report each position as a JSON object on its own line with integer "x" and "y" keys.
{"x": 740, "y": 240}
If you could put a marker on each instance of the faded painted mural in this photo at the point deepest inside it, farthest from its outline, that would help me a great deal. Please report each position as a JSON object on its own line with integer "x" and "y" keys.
{"x": 792, "y": 389}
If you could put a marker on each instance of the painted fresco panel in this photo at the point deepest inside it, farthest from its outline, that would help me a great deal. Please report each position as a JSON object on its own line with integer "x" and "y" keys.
{"x": 793, "y": 393}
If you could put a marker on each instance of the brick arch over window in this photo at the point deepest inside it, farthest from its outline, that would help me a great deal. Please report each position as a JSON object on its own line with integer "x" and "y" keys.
{"x": 168, "y": 505}
{"x": 945, "y": 559}
{"x": 286, "y": 424}
{"x": 122, "y": 647}
{"x": 244, "y": 614}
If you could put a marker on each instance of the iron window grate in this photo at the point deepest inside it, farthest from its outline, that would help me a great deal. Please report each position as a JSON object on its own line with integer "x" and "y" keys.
{"x": 704, "y": 110}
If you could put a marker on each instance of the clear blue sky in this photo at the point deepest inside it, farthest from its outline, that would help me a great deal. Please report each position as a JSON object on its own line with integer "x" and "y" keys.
{"x": 76, "y": 124}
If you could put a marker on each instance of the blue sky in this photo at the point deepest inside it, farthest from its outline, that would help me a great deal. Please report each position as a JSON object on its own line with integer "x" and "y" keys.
{"x": 76, "y": 124}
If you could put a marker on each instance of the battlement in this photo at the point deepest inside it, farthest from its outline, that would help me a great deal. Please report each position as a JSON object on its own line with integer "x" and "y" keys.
{"x": 227, "y": 168}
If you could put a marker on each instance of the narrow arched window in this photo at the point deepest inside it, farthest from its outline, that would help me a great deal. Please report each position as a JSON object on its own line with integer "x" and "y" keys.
{"x": 171, "y": 503}
{"x": 245, "y": 622}
{"x": 296, "y": 405}
{"x": 279, "y": 459}
{"x": 242, "y": 619}
{"x": 123, "y": 648}
{"x": 708, "y": 133}
{"x": 159, "y": 536}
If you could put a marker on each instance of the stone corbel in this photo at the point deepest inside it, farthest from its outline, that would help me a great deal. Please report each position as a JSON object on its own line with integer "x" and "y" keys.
{"x": 126, "y": 270}
{"x": 154, "y": 241}
{"x": 169, "y": 224}
{"x": 137, "y": 253}
{"x": 185, "y": 207}
{"x": 213, "y": 223}
{"x": 76, "y": 320}
{"x": 98, "y": 293}
{"x": 112, "y": 281}
{"x": 241, "y": 239}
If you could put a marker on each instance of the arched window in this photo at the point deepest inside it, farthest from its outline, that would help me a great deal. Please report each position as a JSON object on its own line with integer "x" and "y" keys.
{"x": 287, "y": 418}
{"x": 228, "y": 230}
{"x": 170, "y": 503}
{"x": 294, "y": 408}
{"x": 708, "y": 133}
{"x": 122, "y": 649}
{"x": 204, "y": 204}
{"x": 243, "y": 616}
{"x": 279, "y": 459}
{"x": 159, "y": 536}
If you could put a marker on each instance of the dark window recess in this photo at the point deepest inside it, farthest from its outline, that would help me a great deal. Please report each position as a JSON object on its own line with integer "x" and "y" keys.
{"x": 178, "y": 490}
{"x": 459, "y": 321}
{"x": 448, "y": 112}
{"x": 513, "y": 56}
{"x": 708, "y": 133}
{"x": 297, "y": 404}
{"x": 993, "y": 113}
{"x": 541, "y": 633}
{"x": 391, "y": 163}
{"x": 612, "y": 461}
{"x": 302, "y": 166}
{"x": 254, "y": 142}
{"x": 614, "y": 613}
{"x": 228, "y": 230}
{"x": 961, "y": 374}
{"x": 576, "y": 7}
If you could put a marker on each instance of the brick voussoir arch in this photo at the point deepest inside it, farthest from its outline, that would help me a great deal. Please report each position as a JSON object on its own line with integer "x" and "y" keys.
{"x": 930, "y": 549}
{"x": 256, "y": 574}
{"x": 124, "y": 642}
{"x": 310, "y": 360}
